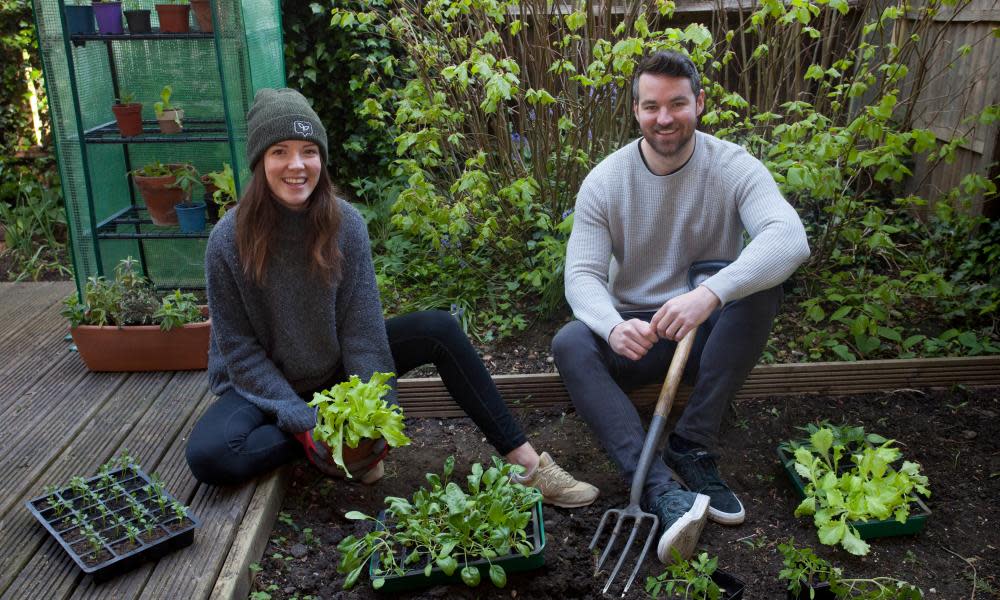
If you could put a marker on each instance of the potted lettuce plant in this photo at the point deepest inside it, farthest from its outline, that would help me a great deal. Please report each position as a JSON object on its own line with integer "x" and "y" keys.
{"x": 352, "y": 415}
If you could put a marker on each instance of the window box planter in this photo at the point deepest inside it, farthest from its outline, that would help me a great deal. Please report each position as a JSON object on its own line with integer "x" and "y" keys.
{"x": 160, "y": 530}
{"x": 512, "y": 563}
{"x": 733, "y": 586}
{"x": 867, "y": 529}
{"x": 144, "y": 347}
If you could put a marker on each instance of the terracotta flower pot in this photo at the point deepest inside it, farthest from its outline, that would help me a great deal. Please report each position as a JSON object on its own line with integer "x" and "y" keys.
{"x": 143, "y": 347}
{"x": 364, "y": 449}
{"x": 171, "y": 120}
{"x": 203, "y": 14}
{"x": 160, "y": 198}
{"x": 174, "y": 18}
{"x": 129, "y": 118}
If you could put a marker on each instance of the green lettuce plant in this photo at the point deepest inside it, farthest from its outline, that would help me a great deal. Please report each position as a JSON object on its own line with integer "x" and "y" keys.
{"x": 869, "y": 489}
{"x": 447, "y": 527}
{"x": 354, "y": 410}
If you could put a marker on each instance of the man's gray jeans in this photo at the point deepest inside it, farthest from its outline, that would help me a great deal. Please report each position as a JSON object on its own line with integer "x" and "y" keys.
{"x": 726, "y": 348}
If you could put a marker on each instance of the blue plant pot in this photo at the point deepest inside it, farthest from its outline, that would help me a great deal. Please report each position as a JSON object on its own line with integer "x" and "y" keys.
{"x": 80, "y": 20}
{"x": 191, "y": 216}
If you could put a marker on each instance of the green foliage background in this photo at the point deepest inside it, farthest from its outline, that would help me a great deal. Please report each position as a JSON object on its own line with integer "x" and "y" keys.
{"x": 463, "y": 145}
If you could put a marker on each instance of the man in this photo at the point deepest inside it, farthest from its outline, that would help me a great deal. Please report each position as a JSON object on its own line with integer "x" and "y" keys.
{"x": 643, "y": 216}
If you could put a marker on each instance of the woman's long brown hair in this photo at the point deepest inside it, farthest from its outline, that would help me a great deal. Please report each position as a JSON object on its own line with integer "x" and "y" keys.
{"x": 256, "y": 221}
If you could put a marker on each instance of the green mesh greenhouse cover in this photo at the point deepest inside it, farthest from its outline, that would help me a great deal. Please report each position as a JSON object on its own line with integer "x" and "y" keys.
{"x": 213, "y": 76}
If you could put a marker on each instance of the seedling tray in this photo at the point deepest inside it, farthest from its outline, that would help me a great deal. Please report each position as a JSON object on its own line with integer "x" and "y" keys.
{"x": 117, "y": 553}
{"x": 866, "y": 529}
{"x": 733, "y": 585}
{"x": 512, "y": 563}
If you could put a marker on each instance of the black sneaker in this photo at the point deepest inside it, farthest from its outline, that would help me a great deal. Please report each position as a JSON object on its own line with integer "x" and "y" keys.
{"x": 682, "y": 517}
{"x": 697, "y": 470}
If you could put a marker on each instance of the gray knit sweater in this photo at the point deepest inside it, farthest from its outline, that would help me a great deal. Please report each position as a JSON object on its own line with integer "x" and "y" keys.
{"x": 635, "y": 233}
{"x": 292, "y": 335}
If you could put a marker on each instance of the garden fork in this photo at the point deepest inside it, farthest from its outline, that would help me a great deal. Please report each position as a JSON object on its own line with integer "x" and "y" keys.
{"x": 698, "y": 272}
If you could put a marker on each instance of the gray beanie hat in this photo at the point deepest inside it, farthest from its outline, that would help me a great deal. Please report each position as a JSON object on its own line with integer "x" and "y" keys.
{"x": 279, "y": 115}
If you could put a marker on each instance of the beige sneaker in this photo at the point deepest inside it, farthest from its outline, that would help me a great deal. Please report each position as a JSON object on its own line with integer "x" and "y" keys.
{"x": 373, "y": 474}
{"x": 558, "y": 487}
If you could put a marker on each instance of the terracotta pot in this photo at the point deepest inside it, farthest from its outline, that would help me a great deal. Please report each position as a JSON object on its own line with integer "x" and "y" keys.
{"x": 203, "y": 14}
{"x": 364, "y": 449}
{"x": 161, "y": 199}
{"x": 174, "y": 18}
{"x": 129, "y": 117}
{"x": 143, "y": 347}
{"x": 171, "y": 120}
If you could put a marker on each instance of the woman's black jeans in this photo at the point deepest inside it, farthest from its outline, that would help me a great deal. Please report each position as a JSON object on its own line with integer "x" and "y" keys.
{"x": 235, "y": 441}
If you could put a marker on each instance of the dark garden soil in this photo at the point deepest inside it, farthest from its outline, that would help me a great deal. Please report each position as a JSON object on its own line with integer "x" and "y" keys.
{"x": 954, "y": 434}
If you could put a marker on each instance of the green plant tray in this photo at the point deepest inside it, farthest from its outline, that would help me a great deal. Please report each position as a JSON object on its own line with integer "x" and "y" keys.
{"x": 866, "y": 529}
{"x": 512, "y": 563}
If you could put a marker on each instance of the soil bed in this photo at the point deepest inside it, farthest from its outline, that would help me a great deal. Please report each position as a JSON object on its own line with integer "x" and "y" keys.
{"x": 953, "y": 433}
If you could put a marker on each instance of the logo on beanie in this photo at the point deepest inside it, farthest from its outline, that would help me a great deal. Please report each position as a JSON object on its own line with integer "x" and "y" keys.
{"x": 303, "y": 128}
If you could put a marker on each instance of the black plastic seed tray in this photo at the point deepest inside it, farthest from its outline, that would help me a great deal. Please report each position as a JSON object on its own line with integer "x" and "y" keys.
{"x": 112, "y": 522}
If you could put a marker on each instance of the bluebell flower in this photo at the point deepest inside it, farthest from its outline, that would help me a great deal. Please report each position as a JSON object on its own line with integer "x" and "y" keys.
{"x": 445, "y": 242}
{"x": 567, "y": 213}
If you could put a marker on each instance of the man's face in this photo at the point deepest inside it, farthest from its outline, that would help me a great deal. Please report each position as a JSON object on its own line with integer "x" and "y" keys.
{"x": 667, "y": 111}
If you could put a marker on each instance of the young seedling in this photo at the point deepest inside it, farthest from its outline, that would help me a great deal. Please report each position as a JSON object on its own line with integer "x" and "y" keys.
{"x": 803, "y": 568}
{"x": 79, "y": 485}
{"x": 687, "y": 579}
{"x": 180, "y": 511}
{"x": 131, "y": 533}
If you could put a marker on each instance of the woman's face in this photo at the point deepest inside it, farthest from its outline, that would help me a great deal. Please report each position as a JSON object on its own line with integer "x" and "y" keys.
{"x": 292, "y": 169}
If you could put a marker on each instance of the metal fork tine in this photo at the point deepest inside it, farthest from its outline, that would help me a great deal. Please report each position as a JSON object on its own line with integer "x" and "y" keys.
{"x": 645, "y": 550}
{"x": 611, "y": 541}
{"x": 621, "y": 559}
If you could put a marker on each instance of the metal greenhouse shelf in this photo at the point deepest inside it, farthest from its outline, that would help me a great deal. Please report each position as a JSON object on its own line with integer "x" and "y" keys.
{"x": 213, "y": 75}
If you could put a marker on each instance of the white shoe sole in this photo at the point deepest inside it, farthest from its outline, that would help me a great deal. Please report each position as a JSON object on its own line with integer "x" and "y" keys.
{"x": 724, "y": 518}
{"x": 684, "y": 533}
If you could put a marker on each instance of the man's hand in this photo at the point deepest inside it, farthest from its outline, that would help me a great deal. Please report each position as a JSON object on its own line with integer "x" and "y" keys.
{"x": 632, "y": 339}
{"x": 681, "y": 314}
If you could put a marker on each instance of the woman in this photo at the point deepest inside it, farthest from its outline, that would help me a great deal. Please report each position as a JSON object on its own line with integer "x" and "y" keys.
{"x": 295, "y": 309}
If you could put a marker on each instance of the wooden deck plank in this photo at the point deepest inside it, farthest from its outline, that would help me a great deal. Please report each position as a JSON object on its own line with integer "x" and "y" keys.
{"x": 172, "y": 469}
{"x": 135, "y": 412}
{"x": 235, "y": 579}
{"x": 19, "y": 305}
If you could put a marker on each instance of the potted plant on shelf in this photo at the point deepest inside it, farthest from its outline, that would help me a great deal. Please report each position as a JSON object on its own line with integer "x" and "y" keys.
{"x": 109, "y": 17}
{"x": 128, "y": 114}
{"x": 121, "y": 325}
{"x": 203, "y": 14}
{"x": 80, "y": 19}
{"x": 191, "y": 216}
{"x": 810, "y": 577}
{"x": 169, "y": 117}
{"x": 125, "y": 518}
{"x": 696, "y": 579}
{"x": 446, "y": 534}
{"x": 352, "y": 415}
{"x": 173, "y": 16}
{"x": 220, "y": 191}
{"x": 163, "y": 187}
{"x": 137, "y": 17}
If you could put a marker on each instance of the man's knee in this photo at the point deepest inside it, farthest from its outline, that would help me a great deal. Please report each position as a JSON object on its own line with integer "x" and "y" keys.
{"x": 572, "y": 344}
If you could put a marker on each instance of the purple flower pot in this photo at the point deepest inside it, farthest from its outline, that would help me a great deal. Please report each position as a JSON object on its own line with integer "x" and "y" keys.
{"x": 109, "y": 17}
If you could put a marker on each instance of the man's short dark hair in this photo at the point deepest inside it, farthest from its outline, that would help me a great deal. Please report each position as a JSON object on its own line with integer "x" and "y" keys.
{"x": 669, "y": 63}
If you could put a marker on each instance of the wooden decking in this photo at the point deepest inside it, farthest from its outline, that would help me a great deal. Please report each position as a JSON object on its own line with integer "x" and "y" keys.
{"x": 58, "y": 420}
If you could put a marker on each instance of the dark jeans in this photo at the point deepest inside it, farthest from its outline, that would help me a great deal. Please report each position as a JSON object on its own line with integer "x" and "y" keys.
{"x": 726, "y": 348}
{"x": 235, "y": 441}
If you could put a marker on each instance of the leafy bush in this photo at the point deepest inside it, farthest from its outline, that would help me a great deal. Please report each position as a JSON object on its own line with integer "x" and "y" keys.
{"x": 803, "y": 568}
{"x": 507, "y": 105}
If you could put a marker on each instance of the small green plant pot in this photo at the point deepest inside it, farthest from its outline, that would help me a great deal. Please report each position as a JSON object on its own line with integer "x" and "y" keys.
{"x": 512, "y": 563}
{"x": 866, "y": 529}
